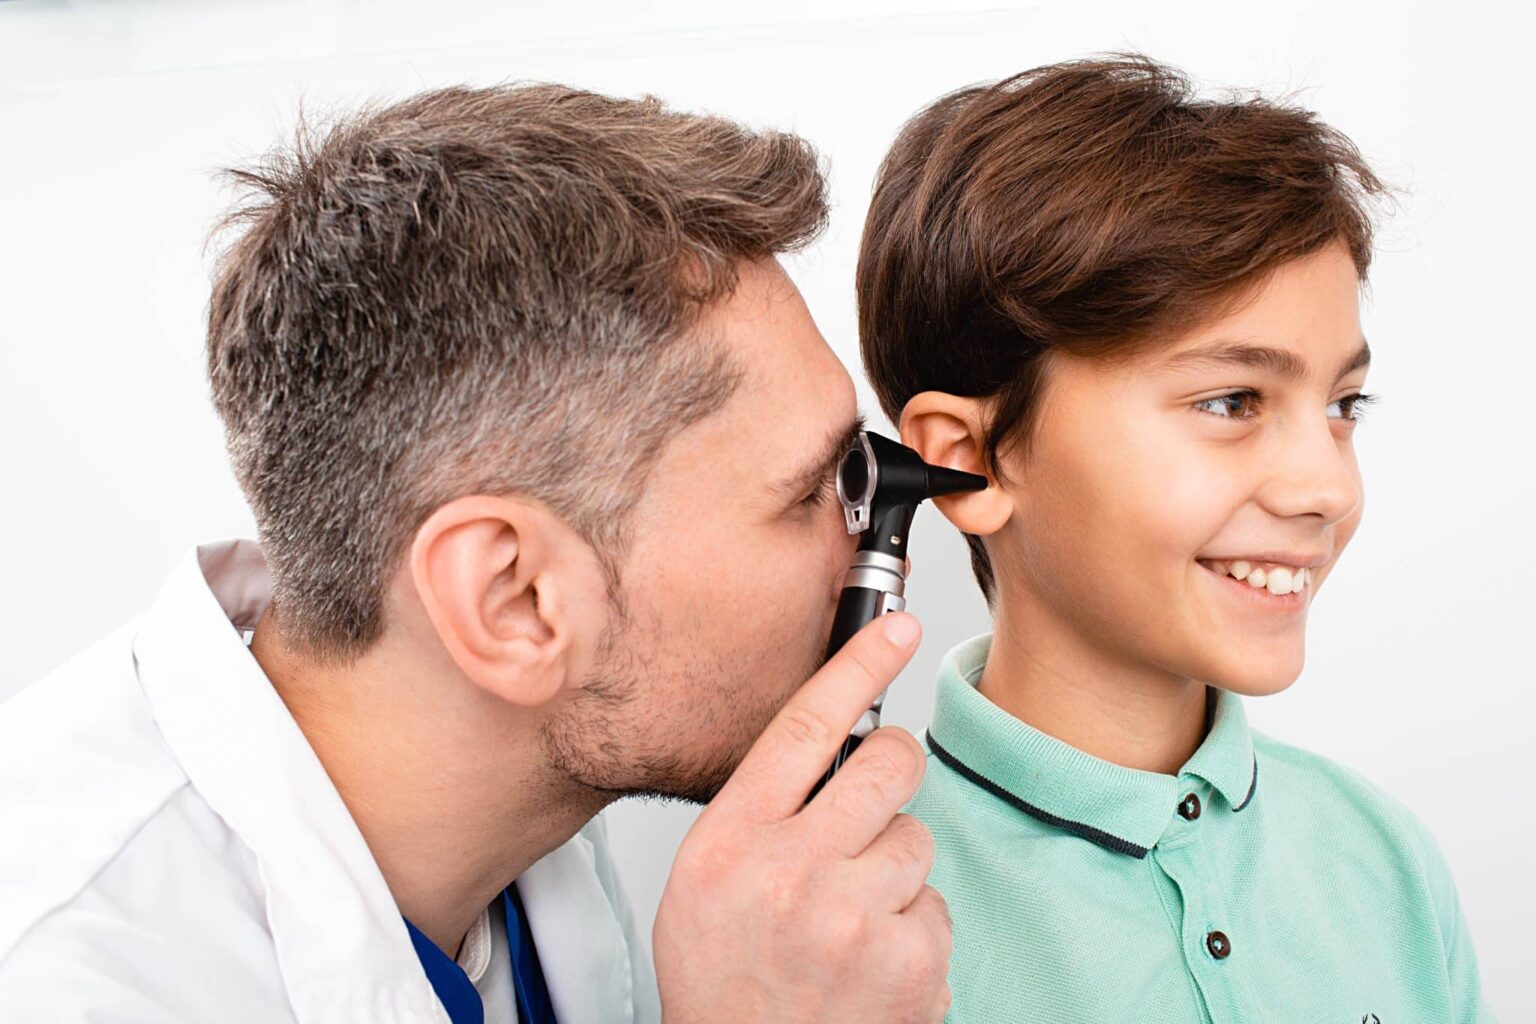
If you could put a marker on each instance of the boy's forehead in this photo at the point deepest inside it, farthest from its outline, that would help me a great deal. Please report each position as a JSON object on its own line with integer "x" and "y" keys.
{"x": 1302, "y": 320}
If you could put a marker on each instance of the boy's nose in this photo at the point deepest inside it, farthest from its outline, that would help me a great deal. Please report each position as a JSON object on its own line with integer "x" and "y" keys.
{"x": 1312, "y": 474}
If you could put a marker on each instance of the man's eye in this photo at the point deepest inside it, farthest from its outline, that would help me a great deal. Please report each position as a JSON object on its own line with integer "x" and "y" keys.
{"x": 819, "y": 496}
{"x": 1231, "y": 406}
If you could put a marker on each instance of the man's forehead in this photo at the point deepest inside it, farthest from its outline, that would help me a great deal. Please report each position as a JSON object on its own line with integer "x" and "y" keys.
{"x": 791, "y": 395}
{"x": 818, "y": 462}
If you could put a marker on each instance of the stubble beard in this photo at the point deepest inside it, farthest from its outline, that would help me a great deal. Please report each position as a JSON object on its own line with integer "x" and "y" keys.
{"x": 608, "y": 742}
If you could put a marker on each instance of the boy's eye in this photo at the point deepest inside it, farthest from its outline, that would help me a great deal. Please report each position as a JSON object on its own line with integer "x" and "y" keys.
{"x": 1242, "y": 405}
{"x": 1231, "y": 406}
{"x": 1352, "y": 407}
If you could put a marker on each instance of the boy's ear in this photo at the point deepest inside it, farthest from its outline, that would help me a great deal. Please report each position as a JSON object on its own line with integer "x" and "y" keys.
{"x": 947, "y": 430}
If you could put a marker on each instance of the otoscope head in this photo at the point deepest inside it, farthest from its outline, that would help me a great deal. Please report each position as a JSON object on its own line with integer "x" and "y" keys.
{"x": 880, "y": 477}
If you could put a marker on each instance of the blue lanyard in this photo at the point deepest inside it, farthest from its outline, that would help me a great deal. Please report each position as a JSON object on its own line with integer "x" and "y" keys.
{"x": 458, "y": 994}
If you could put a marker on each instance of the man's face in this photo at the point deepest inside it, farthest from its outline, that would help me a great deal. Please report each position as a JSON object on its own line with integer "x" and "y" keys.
{"x": 731, "y": 581}
{"x": 1146, "y": 480}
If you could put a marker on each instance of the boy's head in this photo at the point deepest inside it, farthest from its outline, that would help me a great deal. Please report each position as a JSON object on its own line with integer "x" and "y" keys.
{"x": 1138, "y": 312}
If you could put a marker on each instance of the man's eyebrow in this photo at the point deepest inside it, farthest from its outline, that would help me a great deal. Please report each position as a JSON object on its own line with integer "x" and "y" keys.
{"x": 826, "y": 460}
{"x": 1277, "y": 362}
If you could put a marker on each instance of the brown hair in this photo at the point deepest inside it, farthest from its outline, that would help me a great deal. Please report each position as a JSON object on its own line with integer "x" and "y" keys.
{"x": 478, "y": 291}
{"x": 1095, "y": 207}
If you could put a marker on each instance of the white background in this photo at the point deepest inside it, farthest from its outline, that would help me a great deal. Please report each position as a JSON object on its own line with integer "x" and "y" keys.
{"x": 114, "y": 116}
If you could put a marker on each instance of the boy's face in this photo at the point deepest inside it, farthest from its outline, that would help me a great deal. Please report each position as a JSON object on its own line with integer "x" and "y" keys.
{"x": 1147, "y": 481}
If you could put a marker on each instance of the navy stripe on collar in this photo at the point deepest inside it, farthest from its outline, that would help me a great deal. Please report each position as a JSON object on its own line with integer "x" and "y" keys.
{"x": 1095, "y": 835}
{"x": 1252, "y": 786}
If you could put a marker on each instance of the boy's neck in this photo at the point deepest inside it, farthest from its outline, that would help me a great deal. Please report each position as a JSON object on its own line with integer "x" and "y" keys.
{"x": 1048, "y": 677}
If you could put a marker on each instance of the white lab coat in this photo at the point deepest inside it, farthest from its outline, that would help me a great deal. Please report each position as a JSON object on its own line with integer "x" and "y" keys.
{"x": 171, "y": 849}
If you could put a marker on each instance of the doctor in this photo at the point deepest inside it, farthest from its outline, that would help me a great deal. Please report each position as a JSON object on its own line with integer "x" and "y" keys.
{"x": 538, "y": 438}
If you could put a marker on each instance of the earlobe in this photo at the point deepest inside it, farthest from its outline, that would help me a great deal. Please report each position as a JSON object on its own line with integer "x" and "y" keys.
{"x": 487, "y": 575}
{"x": 948, "y": 430}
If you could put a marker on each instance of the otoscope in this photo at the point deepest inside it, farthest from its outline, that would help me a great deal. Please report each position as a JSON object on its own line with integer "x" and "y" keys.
{"x": 880, "y": 483}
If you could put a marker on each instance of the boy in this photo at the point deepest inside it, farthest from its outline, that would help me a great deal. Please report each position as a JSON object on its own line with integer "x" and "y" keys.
{"x": 1137, "y": 313}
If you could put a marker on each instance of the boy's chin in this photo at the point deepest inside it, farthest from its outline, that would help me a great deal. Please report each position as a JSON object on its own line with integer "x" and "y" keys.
{"x": 1255, "y": 680}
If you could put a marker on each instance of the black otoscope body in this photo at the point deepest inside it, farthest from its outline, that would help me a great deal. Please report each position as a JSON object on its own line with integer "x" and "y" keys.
{"x": 880, "y": 483}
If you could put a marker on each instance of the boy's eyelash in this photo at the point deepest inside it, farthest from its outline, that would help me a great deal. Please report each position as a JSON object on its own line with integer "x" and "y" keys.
{"x": 1354, "y": 405}
{"x": 1358, "y": 404}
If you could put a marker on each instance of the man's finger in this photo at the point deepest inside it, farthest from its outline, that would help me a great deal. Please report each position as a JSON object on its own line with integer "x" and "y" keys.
{"x": 897, "y": 864}
{"x": 772, "y": 781}
{"x": 932, "y": 912}
{"x": 862, "y": 798}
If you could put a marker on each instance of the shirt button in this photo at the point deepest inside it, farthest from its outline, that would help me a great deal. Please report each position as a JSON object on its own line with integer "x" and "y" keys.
{"x": 1217, "y": 944}
{"x": 1189, "y": 807}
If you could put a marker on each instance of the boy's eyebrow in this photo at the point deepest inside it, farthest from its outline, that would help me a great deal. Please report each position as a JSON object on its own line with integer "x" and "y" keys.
{"x": 1277, "y": 362}
{"x": 826, "y": 460}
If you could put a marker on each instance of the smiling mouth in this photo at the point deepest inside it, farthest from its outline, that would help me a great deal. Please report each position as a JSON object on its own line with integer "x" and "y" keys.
{"x": 1271, "y": 580}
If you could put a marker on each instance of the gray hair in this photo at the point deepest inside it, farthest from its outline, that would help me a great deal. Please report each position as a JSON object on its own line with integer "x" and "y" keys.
{"x": 478, "y": 291}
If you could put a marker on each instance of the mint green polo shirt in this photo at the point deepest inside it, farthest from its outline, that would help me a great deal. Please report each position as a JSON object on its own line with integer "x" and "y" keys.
{"x": 1261, "y": 883}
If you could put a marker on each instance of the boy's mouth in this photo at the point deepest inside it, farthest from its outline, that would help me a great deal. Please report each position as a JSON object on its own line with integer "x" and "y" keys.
{"x": 1278, "y": 578}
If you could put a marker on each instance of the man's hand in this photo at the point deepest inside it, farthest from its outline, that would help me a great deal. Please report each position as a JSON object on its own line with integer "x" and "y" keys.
{"x": 778, "y": 910}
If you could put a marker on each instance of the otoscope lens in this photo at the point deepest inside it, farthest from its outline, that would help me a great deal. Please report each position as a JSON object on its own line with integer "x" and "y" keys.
{"x": 853, "y": 475}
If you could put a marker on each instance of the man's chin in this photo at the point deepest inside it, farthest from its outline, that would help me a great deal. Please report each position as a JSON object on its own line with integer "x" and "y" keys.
{"x": 697, "y": 787}
{"x": 697, "y": 799}
{"x": 695, "y": 784}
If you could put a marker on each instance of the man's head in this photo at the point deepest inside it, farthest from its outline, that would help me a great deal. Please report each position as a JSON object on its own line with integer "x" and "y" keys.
{"x": 508, "y": 376}
{"x": 1041, "y": 260}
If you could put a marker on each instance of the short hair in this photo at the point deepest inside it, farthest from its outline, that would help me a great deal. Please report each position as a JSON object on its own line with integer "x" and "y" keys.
{"x": 1094, "y": 206}
{"x": 488, "y": 290}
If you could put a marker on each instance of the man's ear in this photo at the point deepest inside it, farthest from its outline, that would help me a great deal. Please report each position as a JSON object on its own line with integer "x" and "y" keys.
{"x": 947, "y": 430}
{"x": 508, "y": 587}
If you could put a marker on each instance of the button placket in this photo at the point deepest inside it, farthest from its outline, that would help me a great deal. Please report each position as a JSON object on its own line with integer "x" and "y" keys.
{"x": 1205, "y": 927}
{"x": 1188, "y": 811}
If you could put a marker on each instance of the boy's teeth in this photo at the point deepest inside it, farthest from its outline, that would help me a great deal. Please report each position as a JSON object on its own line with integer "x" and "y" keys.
{"x": 1278, "y": 580}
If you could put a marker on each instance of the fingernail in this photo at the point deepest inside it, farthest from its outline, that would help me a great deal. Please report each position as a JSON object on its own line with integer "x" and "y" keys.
{"x": 900, "y": 629}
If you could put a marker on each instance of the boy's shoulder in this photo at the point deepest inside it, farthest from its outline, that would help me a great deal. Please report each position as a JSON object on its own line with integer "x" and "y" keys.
{"x": 1295, "y": 774}
{"x": 1343, "y": 804}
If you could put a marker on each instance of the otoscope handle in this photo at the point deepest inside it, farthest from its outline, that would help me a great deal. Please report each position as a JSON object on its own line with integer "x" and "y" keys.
{"x": 880, "y": 483}
{"x": 856, "y": 607}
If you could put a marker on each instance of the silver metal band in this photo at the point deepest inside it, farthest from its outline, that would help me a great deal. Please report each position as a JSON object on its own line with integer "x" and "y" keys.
{"x": 875, "y": 571}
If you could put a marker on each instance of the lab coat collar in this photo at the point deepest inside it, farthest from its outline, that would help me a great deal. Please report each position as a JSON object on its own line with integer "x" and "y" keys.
{"x": 340, "y": 941}
{"x": 581, "y": 942}
{"x": 343, "y": 948}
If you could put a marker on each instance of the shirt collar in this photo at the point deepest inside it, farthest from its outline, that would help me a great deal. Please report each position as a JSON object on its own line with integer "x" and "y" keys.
{"x": 1121, "y": 809}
